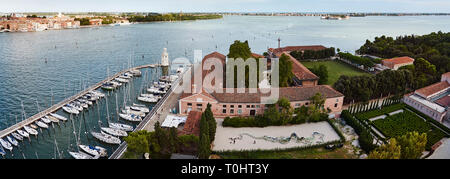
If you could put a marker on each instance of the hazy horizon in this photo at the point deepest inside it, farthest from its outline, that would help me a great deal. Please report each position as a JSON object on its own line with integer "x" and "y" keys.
{"x": 231, "y": 6}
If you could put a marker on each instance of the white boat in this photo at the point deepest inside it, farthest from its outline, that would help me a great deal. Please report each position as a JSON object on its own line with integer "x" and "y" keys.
{"x": 83, "y": 100}
{"x": 53, "y": 119}
{"x": 139, "y": 108}
{"x": 106, "y": 138}
{"x": 41, "y": 124}
{"x": 70, "y": 109}
{"x": 46, "y": 120}
{"x": 130, "y": 117}
{"x": 130, "y": 111}
{"x": 155, "y": 90}
{"x": 95, "y": 151}
{"x": 120, "y": 126}
{"x": 34, "y": 126}
{"x": 108, "y": 86}
{"x": 12, "y": 140}
{"x": 152, "y": 66}
{"x": 121, "y": 80}
{"x": 136, "y": 72}
{"x": 6, "y": 144}
{"x": 62, "y": 118}
{"x": 124, "y": 76}
{"x": 76, "y": 105}
{"x": 148, "y": 99}
{"x": 80, "y": 155}
{"x": 115, "y": 83}
{"x": 97, "y": 93}
{"x": 17, "y": 136}
{"x": 30, "y": 130}
{"x": 115, "y": 132}
{"x": 23, "y": 133}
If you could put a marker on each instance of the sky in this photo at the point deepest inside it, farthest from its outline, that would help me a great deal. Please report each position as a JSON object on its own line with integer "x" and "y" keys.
{"x": 402, "y": 6}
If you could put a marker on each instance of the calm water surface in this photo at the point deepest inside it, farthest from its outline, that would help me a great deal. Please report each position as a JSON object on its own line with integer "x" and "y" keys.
{"x": 80, "y": 57}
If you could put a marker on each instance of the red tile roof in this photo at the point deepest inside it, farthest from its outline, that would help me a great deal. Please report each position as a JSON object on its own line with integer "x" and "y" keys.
{"x": 291, "y": 93}
{"x": 446, "y": 75}
{"x": 444, "y": 101}
{"x": 299, "y": 70}
{"x": 400, "y": 60}
{"x": 192, "y": 125}
{"x": 432, "y": 89}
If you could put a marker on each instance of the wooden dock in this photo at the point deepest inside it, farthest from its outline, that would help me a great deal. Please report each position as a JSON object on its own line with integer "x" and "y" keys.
{"x": 59, "y": 105}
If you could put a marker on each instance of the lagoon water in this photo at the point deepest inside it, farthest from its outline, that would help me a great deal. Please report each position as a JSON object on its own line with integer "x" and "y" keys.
{"x": 35, "y": 65}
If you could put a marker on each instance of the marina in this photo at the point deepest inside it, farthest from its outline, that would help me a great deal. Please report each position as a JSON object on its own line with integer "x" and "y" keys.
{"x": 76, "y": 107}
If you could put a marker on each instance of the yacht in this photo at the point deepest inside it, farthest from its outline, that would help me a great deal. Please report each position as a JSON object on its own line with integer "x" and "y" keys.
{"x": 53, "y": 119}
{"x": 136, "y": 72}
{"x": 116, "y": 83}
{"x": 17, "y": 136}
{"x": 70, "y": 109}
{"x": 108, "y": 86}
{"x": 46, "y": 120}
{"x": 30, "y": 130}
{"x": 98, "y": 93}
{"x": 41, "y": 124}
{"x": 121, "y": 80}
{"x": 106, "y": 138}
{"x": 62, "y": 118}
{"x": 128, "y": 110}
{"x": 76, "y": 105}
{"x": 12, "y": 140}
{"x": 6, "y": 144}
{"x": 130, "y": 117}
{"x": 120, "y": 126}
{"x": 23, "y": 133}
{"x": 148, "y": 99}
{"x": 80, "y": 155}
{"x": 114, "y": 132}
{"x": 140, "y": 108}
{"x": 95, "y": 151}
{"x": 34, "y": 126}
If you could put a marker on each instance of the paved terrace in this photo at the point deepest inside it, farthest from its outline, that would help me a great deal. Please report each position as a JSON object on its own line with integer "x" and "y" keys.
{"x": 57, "y": 106}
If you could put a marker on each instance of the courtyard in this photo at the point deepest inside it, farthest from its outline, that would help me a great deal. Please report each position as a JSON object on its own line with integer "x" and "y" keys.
{"x": 336, "y": 69}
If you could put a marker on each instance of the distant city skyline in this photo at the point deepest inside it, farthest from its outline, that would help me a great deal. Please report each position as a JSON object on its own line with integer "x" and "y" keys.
{"x": 368, "y": 6}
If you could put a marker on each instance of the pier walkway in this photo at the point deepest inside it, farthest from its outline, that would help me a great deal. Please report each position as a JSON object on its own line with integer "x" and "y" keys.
{"x": 59, "y": 105}
{"x": 148, "y": 122}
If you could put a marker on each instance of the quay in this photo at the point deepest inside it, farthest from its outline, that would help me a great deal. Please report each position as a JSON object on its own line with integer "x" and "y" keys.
{"x": 59, "y": 105}
{"x": 166, "y": 102}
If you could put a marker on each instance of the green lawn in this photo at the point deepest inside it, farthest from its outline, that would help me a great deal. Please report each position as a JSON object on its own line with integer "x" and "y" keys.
{"x": 336, "y": 69}
{"x": 401, "y": 123}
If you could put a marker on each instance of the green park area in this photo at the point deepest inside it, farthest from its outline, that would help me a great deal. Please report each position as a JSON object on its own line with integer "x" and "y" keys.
{"x": 336, "y": 69}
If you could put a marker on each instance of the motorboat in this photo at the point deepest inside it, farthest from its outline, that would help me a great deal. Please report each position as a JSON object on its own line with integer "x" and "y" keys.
{"x": 148, "y": 99}
{"x": 121, "y": 126}
{"x": 46, "y": 120}
{"x": 30, "y": 130}
{"x": 70, "y": 109}
{"x": 114, "y": 132}
{"x": 17, "y": 136}
{"x": 130, "y": 117}
{"x": 62, "y": 118}
{"x": 12, "y": 140}
{"x": 23, "y": 133}
{"x": 6, "y": 144}
{"x": 85, "y": 103}
{"x": 106, "y": 138}
{"x": 80, "y": 155}
{"x": 41, "y": 124}
{"x": 95, "y": 151}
